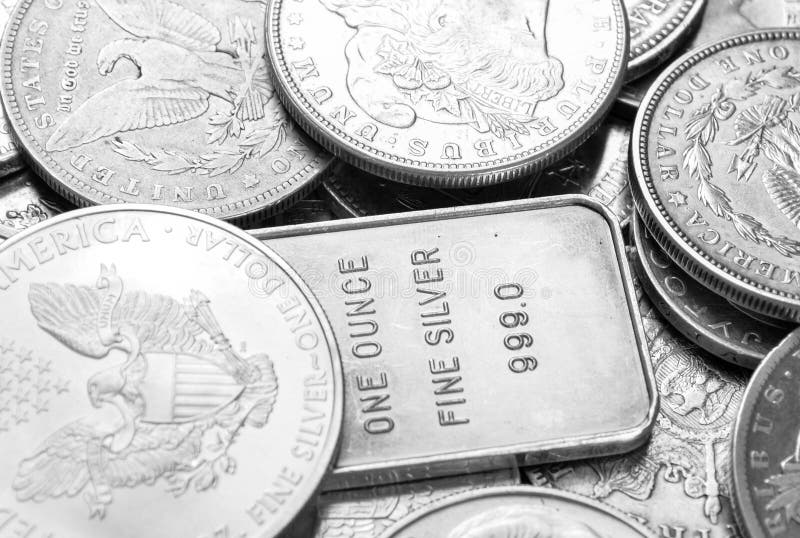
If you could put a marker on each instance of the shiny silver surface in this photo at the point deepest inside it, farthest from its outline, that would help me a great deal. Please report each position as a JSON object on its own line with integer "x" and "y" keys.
{"x": 680, "y": 482}
{"x": 137, "y": 400}
{"x": 164, "y": 102}
{"x": 766, "y": 460}
{"x": 464, "y": 335}
{"x": 25, "y": 200}
{"x": 368, "y": 512}
{"x": 716, "y": 151}
{"x": 448, "y": 93}
{"x": 520, "y": 511}
{"x": 10, "y": 157}
{"x": 703, "y": 317}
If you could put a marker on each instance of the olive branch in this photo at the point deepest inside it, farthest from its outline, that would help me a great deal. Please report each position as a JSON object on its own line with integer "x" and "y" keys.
{"x": 702, "y": 130}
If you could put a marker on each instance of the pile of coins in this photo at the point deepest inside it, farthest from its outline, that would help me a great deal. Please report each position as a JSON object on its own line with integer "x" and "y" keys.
{"x": 400, "y": 268}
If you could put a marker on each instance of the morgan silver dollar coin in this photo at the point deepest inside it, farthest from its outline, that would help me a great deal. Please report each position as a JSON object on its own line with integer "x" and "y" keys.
{"x": 715, "y": 153}
{"x": 163, "y": 102}
{"x": 448, "y": 93}
{"x": 138, "y": 399}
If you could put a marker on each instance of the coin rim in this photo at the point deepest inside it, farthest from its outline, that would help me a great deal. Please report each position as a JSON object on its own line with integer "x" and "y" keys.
{"x": 578, "y": 446}
{"x": 330, "y": 447}
{"x": 83, "y": 194}
{"x": 671, "y": 310}
{"x": 429, "y": 174}
{"x": 650, "y": 54}
{"x": 527, "y": 491}
{"x": 742, "y": 499}
{"x": 737, "y": 288}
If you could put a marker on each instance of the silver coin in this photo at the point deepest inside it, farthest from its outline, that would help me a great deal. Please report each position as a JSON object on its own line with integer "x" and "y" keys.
{"x": 10, "y": 157}
{"x": 657, "y": 30}
{"x": 25, "y": 200}
{"x": 137, "y": 400}
{"x": 599, "y": 168}
{"x": 439, "y": 312}
{"x": 519, "y": 511}
{"x": 368, "y": 512}
{"x": 354, "y": 193}
{"x": 448, "y": 93}
{"x": 680, "y": 483}
{"x": 165, "y": 102}
{"x": 715, "y": 152}
{"x": 766, "y": 460}
{"x": 721, "y": 18}
{"x": 698, "y": 313}
{"x": 312, "y": 209}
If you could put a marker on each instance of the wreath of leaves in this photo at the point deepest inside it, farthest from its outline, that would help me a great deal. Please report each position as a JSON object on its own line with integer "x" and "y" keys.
{"x": 259, "y": 143}
{"x": 702, "y": 130}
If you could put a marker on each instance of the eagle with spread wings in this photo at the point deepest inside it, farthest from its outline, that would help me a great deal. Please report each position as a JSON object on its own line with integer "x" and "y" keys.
{"x": 180, "y": 398}
{"x": 182, "y": 64}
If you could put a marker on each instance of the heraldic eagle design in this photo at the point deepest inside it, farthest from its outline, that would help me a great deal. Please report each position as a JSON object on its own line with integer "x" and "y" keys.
{"x": 182, "y": 64}
{"x": 181, "y": 396}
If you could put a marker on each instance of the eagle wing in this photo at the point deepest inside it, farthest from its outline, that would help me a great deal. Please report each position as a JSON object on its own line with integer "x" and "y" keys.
{"x": 69, "y": 313}
{"x": 59, "y": 467}
{"x": 164, "y": 20}
{"x": 146, "y": 106}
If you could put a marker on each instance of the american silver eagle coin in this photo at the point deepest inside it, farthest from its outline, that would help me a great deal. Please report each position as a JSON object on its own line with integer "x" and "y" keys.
{"x": 161, "y": 374}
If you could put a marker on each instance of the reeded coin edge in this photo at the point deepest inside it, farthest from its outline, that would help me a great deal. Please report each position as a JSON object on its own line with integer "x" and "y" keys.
{"x": 646, "y": 56}
{"x": 678, "y": 318}
{"x": 742, "y": 499}
{"x": 330, "y": 446}
{"x": 763, "y": 299}
{"x": 83, "y": 194}
{"x": 529, "y": 491}
{"x": 429, "y": 174}
{"x": 342, "y": 203}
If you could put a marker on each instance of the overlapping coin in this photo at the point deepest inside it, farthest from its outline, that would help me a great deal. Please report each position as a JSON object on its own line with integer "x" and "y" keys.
{"x": 138, "y": 399}
{"x": 10, "y": 158}
{"x": 766, "y": 446}
{"x": 698, "y": 313}
{"x": 657, "y": 29}
{"x": 716, "y": 158}
{"x": 160, "y": 102}
{"x": 448, "y": 93}
{"x": 25, "y": 201}
{"x": 518, "y": 511}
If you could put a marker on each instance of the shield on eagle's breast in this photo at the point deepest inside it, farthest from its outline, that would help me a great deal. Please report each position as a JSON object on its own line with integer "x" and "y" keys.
{"x": 181, "y": 388}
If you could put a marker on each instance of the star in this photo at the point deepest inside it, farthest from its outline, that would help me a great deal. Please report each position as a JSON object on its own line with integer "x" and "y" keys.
{"x": 42, "y": 384}
{"x": 40, "y": 406}
{"x": 23, "y": 375}
{"x": 23, "y": 395}
{"x": 250, "y": 181}
{"x": 44, "y": 366}
{"x": 6, "y": 346}
{"x": 677, "y": 198}
{"x": 5, "y": 386}
{"x": 297, "y": 43}
{"x": 25, "y": 356}
{"x": 295, "y": 19}
{"x": 21, "y": 416}
{"x": 61, "y": 386}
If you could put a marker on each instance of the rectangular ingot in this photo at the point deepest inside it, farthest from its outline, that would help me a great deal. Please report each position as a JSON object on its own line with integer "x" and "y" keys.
{"x": 474, "y": 334}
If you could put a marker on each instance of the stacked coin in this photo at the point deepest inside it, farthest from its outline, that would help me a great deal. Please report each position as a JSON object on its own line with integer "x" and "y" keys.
{"x": 393, "y": 268}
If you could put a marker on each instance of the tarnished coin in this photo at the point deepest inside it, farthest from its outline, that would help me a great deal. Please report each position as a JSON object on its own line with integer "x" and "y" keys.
{"x": 10, "y": 157}
{"x": 599, "y": 168}
{"x": 680, "y": 483}
{"x": 518, "y": 511}
{"x": 26, "y": 200}
{"x": 721, "y": 18}
{"x": 448, "y": 93}
{"x": 354, "y": 193}
{"x": 368, "y": 512}
{"x": 698, "y": 313}
{"x": 136, "y": 399}
{"x": 657, "y": 30}
{"x": 717, "y": 161}
{"x": 766, "y": 446}
{"x": 163, "y": 102}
